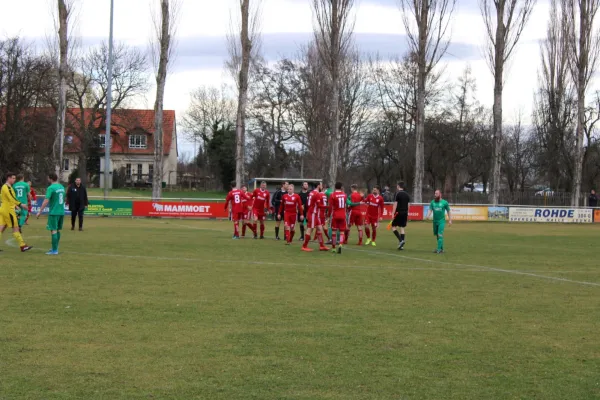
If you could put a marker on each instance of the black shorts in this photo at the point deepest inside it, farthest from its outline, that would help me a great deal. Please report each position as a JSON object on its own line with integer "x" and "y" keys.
{"x": 400, "y": 220}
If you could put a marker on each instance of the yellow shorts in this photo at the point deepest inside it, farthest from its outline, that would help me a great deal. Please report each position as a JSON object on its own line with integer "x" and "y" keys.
{"x": 8, "y": 218}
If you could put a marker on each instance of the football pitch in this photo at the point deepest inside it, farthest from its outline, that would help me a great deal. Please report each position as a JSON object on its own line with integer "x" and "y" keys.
{"x": 175, "y": 309}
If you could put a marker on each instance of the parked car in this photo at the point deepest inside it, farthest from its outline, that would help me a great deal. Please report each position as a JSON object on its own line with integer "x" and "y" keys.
{"x": 545, "y": 192}
{"x": 474, "y": 187}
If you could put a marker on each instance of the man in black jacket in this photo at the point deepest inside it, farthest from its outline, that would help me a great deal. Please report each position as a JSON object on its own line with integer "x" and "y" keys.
{"x": 77, "y": 201}
{"x": 276, "y": 203}
{"x": 304, "y": 197}
{"x": 593, "y": 199}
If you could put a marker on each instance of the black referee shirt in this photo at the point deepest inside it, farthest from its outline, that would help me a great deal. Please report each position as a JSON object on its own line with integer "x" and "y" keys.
{"x": 304, "y": 198}
{"x": 403, "y": 199}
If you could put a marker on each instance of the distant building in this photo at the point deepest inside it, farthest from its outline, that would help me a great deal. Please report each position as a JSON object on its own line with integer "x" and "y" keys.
{"x": 131, "y": 144}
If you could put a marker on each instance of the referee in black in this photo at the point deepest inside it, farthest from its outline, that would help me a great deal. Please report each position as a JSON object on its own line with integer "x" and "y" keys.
{"x": 304, "y": 197}
{"x": 276, "y": 201}
{"x": 400, "y": 212}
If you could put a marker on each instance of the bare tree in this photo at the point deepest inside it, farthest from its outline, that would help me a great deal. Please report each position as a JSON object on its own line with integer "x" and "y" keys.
{"x": 503, "y": 29}
{"x": 333, "y": 33}
{"x": 65, "y": 8}
{"x": 426, "y": 23}
{"x": 584, "y": 49}
{"x": 243, "y": 50}
{"x": 162, "y": 46}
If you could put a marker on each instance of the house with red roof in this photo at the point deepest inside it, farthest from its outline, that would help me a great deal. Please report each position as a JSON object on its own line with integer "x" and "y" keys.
{"x": 131, "y": 143}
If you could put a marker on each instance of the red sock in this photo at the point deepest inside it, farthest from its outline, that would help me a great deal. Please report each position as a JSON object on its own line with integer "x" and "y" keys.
{"x": 368, "y": 232}
{"x": 262, "y": 229}
{"x": 326, "y": 234}
{"x": 342, "y": 237}
{"x": 292, "y": 236}
{"x": 287, "y": 235}
{"x": 347, "y": 235}
{"x": 306, "y": 240}
{"x": 333, "y": 238}
{"x": 236, "y": 229}
{"x": 244, "y": 229}
{"x": 253, "y": 228}
{"x": 320, "y": 237}
{"x": 374, "y": 232}
{"x": 360, "y": 235}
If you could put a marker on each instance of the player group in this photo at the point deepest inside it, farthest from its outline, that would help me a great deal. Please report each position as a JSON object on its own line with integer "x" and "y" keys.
{"x": 327, "y": 212}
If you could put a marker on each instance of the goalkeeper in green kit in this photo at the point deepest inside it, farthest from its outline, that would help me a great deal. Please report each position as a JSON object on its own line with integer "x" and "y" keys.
{"x": 439, "y": 207}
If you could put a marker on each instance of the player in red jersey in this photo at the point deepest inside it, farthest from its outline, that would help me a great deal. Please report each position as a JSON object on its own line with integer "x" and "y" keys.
{"x": 262, "y": 199}
{"x": 248, "y": 202}
{"x": 337, "y": 213}
{"x": 291, "y": 205}
{"x": 313, "y": 217}
{"x": 235, "y": 197}
{"x": 375, "y": 203}
{"x": 31, "y": 200}
{"x": 356, "y": 217}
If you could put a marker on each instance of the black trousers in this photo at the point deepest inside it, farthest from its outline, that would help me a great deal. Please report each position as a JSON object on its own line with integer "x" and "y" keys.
{"x": 74, "y": 215}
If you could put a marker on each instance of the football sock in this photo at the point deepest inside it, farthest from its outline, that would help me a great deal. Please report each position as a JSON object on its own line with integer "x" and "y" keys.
{"x": 333, "y": 240}
{"x": 341, "y": 238}
{"x": 360, "y": 235}
{"x": 253, "y": 227}
{"x": 346, "y": 235}
{"x": 440, "y": 242}
{"x": 306, "y": 240}
{"x": 302, "y": 230}
{"x": 330, "y": 232}
{"x": 19, "y": 238}
{"x": 374, "y": 233}
{"x": 397, "y": 235}
{"x": 402, "y": 236}
{"x": 244, "y": 229}
{"x": 262, "y": 229}
{"x": 292, "y": 233}
{"x": 236, "y": 229}
{"x": 286, "y": 235}
{"x": 320, "y": 238}
{"x": 55, "y": 242}
{"x": 368, "y": 232}
{"x": 276, "y": 231}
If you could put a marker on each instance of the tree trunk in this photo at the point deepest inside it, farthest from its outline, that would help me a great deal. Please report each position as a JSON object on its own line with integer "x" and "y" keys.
{"x": 63, "y": 16}
{"x": 240, "y": 148}
{"x": 497, "y": 108}
{"x": 335, "y": 129}
{"x": 161, "y": 78}
{"x": 420, "y": 115}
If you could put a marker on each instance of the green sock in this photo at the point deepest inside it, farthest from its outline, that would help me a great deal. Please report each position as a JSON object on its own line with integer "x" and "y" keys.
{"x": 440, "y": 242}
{"x": 54, "y": 242}
{"x": 58, "y": 241}
{"x": 330, "y": 231}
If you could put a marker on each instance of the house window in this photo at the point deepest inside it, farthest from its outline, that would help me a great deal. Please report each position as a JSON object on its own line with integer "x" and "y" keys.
{"x": 103, "y": 141}
{"x": 128, "y": 170}
{"x": 66, "y": 164}
{"x": 137, "y": 141}
{"x": 150, "y": 171}
{"x": 69, "y": 139}
{"x": 139, "y": 171}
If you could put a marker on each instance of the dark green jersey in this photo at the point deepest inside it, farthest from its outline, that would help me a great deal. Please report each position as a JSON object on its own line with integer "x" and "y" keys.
{"x": 56, "y": 196}
{"x": 22, "y": 190}
{"x": 439, "y": 209}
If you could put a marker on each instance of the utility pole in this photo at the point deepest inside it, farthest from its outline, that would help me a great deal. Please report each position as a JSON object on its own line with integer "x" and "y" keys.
{"x": 107, "y": 141}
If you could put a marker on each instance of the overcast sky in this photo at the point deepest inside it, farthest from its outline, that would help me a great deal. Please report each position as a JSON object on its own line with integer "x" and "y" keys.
{"x": 286, "y": 24}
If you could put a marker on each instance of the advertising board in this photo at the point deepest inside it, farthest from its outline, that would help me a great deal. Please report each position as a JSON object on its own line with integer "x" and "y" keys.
{"x": 110, "y": 208}
{"x": 464, "y": 213}
{"x": 179, "y": 209}
{"x": 557, "y": 215}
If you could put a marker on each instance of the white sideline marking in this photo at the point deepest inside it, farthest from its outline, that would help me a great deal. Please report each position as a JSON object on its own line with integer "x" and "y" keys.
{"x": 481, "y": 267}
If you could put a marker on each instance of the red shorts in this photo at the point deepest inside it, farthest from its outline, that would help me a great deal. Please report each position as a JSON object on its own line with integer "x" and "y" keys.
{"x": 356, "y": 218}
{"x": 372, "y": 220}
{"x": 289, "y": 219}
{"x": 338, "y": 223}
{"x": 235, "y": 217}
{"x": 313, "y": 220}
{"x": 259, "y": 214}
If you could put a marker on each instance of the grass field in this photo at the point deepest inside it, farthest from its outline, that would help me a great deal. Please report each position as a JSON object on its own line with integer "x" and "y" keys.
{"x": 173, "y": 309}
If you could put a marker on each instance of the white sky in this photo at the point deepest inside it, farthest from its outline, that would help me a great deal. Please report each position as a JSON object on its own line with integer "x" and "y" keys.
{"x": 285, "y": 25}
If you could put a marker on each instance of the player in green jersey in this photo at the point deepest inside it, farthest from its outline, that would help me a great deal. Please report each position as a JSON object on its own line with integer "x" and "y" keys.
{"x": 439, "y": 207}
{"x": 55, "y": 200}
{"x": 23, "y": 192}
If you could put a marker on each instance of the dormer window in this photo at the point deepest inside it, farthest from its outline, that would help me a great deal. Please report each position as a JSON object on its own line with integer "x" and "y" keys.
{"x": 137, "y": 141}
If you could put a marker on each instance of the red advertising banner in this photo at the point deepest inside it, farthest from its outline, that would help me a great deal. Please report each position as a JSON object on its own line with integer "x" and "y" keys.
{"x": 415, "y": 212}
{"x": 179, "y": 209}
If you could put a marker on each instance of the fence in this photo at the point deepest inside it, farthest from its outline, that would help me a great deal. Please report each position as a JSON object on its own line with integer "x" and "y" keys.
{"x": 213, "y": 208}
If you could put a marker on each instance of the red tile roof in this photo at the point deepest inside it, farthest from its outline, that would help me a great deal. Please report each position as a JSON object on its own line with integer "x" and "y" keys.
{"x": 123, "y": 123}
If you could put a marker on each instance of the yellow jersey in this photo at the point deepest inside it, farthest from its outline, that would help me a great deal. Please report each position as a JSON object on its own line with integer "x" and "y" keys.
{"x": 9, "y": 199}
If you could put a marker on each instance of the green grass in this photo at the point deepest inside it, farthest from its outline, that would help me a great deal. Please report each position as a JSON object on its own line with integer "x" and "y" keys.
{"x": 147, "y": 193}
{"x": 173, "y": 309}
